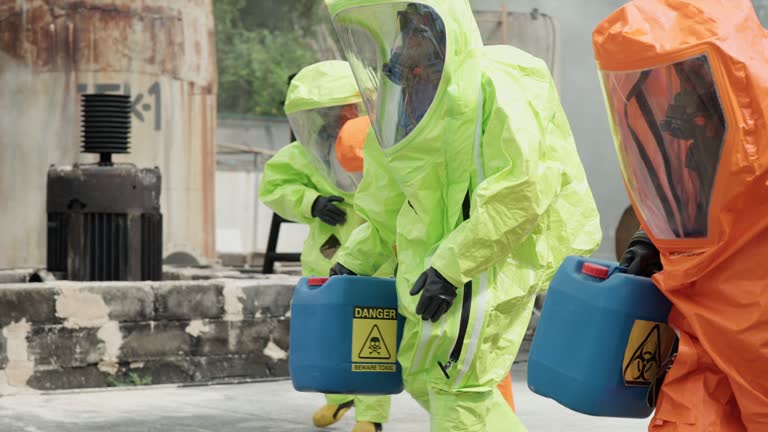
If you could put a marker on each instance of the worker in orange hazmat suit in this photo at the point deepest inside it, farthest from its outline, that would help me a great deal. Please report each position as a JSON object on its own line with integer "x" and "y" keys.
{"x": 685, "y": 84}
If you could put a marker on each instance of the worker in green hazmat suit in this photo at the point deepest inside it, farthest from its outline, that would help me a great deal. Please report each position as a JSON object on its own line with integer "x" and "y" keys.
{"x": 493, "y": 196}
{"x": 313, "y": 181}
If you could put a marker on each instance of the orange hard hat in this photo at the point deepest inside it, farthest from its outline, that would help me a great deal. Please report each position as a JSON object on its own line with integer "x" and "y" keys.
{"x": 349, "y": 143}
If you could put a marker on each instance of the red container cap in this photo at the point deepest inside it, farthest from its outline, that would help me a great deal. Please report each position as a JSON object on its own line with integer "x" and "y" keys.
{"x": 596, "y": 270}
{"x": 317, "y": 281}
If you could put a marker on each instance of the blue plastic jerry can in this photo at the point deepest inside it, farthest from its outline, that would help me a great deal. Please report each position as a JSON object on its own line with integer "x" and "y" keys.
{"x": 345, "y": 333}
{"x": 600, "y": 340}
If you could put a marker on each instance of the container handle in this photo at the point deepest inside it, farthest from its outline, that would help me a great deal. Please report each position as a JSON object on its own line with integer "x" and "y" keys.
{"x": 316, "y": 282}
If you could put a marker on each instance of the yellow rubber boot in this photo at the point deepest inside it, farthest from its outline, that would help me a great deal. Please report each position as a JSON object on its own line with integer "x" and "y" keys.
{"x": 330, "y": 414}
{"x": 364, "y": 426}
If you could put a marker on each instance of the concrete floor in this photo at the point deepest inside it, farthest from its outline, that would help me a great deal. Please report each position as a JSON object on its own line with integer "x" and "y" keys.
{"x": 262, "y": 407}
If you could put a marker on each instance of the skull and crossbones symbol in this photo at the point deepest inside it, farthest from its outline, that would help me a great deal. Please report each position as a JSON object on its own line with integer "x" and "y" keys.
{"x": 374, "y": 346}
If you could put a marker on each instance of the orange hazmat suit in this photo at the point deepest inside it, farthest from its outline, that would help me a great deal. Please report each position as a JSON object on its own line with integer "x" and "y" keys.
{"x": 686, "y": 86}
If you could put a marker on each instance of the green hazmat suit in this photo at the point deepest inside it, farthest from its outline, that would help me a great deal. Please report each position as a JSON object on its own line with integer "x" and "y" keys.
{"x": 289, "y": 186}
{"x": 294, "y": 177}
{"x": 492, "y": 194}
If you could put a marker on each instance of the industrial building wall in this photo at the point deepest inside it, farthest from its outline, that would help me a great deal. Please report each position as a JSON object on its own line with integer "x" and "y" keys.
{"x": 242, "y": 221}
{"x": 159, "y": 52}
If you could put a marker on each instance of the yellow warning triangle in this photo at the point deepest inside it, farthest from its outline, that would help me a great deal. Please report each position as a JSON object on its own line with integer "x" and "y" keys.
{"x": 645, "y": 360}
{"x": 374, "y": 347}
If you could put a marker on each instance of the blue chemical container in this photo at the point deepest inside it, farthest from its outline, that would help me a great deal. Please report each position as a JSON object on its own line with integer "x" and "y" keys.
{"x": 600, "y": 340}
{"x": 345, "y": 333}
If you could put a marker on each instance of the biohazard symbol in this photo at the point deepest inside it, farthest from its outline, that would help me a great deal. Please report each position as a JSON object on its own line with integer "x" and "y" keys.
{"x": 374, "y": 347}
{"x": 645, "y": 361}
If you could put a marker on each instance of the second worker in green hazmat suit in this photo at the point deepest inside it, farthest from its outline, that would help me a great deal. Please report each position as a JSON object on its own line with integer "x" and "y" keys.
{"x": 307, "y": 182}
{"x": 492, "y": 198}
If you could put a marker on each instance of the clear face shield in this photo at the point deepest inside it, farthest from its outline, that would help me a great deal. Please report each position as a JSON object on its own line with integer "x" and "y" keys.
{"x": 397, "y": 53}
{"x": 318, "y": 130}
{"x": 669, "y": 128}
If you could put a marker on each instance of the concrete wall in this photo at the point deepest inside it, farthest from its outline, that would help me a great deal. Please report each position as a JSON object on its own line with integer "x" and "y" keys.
{"x": 64, "y": 335}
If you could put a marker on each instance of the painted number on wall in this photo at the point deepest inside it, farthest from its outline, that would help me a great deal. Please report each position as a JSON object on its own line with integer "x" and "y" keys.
{"x": 147, "y": 104}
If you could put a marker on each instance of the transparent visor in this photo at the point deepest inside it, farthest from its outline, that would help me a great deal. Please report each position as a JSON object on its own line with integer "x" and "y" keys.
{"x": 669, "y": 129}
{"x": 317, "y": 130}
{"x": 397, "y": 53}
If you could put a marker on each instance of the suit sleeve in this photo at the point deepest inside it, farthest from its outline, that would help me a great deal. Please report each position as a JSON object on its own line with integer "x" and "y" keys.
{"x": 525, "y": 176}
{"x": 286, "y": 185}
{"x": 378, "y": 200}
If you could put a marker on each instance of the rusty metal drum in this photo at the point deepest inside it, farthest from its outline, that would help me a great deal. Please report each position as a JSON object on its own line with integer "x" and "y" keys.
{"x": 162, "y": 54}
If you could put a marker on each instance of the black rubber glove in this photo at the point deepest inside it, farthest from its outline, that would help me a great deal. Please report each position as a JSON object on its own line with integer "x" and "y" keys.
{"x": 437, "y": 295}
{"x": 338, "y": 269}
{"x": 641, "y": 257}
{"x": 324, "y": 209}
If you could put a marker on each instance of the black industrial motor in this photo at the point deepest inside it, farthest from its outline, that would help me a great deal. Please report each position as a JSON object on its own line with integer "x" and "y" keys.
{"x": 104, "y": 220}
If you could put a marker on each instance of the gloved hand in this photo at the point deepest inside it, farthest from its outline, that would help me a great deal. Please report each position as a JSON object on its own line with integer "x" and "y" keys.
{"x": 641, "y": 257}
{"x": 324, "y": 209}
{"x": 437, "y": 295}
{"x": 338, "y": 269}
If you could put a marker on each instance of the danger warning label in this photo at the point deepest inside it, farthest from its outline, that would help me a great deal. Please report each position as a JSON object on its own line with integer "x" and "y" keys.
{"x": 648, "y": 347}
{"x": 374, "y": 347}
{"x": 361, "y": 367}
{"x": 374, "y": 339}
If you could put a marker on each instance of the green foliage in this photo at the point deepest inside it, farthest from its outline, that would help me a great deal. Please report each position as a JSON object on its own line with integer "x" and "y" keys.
{"x": 259, "y": 43}
{"x": 131, "y": 380}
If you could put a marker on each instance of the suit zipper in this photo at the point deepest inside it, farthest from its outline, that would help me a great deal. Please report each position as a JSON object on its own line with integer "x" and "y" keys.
{"x": 466, "y": 308}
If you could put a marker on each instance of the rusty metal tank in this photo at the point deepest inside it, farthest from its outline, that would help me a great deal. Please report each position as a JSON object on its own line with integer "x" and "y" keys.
{"x": 161, "y": 53}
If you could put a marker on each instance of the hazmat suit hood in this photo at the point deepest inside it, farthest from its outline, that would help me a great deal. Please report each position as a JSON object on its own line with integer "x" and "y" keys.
{"x": 321, "y": 98}
{"x": 398, "y": 51}
{"x": 697, "y": 195}
{"x": 424, "y": 99}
